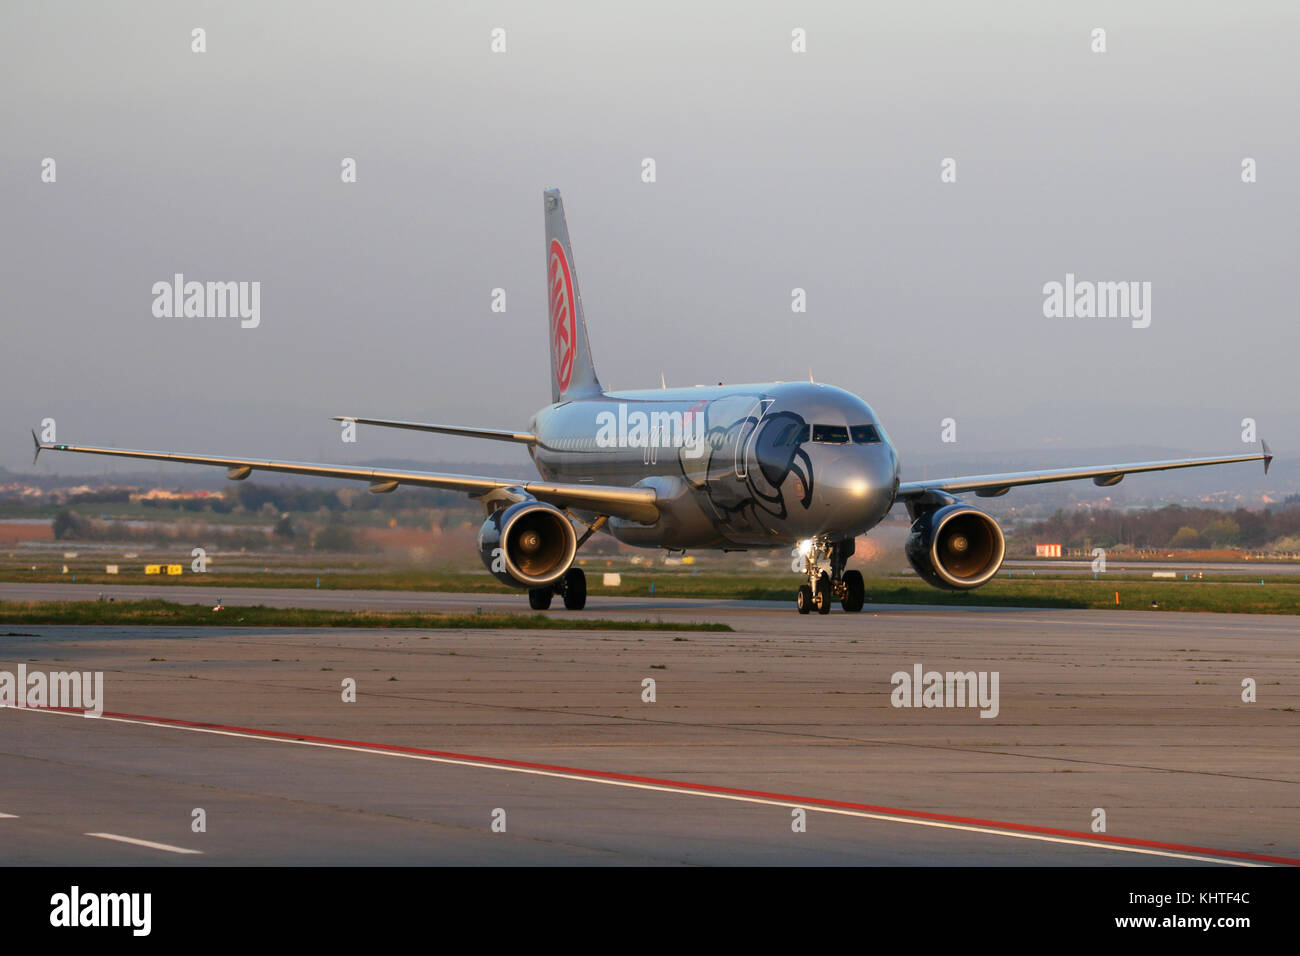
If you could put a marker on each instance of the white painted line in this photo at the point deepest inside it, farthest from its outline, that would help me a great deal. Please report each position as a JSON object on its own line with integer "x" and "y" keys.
{"x": 149, "y": 843}
{"x": 970, "y": 828}
{"x": 8, "y": 816}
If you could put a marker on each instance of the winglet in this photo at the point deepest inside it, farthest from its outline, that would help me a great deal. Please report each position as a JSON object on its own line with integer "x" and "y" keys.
{"x": 1268, "y": 459}
{"x": 37, "y": 442}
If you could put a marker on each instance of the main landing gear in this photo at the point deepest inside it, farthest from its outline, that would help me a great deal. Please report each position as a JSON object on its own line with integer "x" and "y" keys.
{"x": 823, "y": 588}
{"x": 573, "y": 588}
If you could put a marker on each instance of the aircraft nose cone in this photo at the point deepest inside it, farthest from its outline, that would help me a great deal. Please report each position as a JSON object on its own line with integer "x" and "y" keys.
{"x": 861, "y": 490}
{"x": 877, "y": 472}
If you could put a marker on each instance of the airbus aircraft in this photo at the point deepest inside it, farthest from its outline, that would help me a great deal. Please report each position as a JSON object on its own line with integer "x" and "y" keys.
{"x": 784, "y": 464}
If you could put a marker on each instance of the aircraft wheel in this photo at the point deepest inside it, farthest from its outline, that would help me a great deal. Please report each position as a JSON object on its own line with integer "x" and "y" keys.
{"x": 539, "y": 599}
{"x": 855, "y": 592}
{"x": 803, "y": 600}
{"x": 575, "y": 589}
{"x": 822, "y": 599}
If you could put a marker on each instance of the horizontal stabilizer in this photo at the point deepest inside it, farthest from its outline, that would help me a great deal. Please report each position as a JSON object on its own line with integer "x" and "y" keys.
{"x": 495, "y": 434}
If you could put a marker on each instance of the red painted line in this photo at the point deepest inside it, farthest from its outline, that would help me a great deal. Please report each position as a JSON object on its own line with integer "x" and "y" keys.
{"x": 786, "y": 798}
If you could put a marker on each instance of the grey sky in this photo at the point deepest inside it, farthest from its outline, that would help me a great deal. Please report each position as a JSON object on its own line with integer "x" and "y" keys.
{"x": 775, "y": 170}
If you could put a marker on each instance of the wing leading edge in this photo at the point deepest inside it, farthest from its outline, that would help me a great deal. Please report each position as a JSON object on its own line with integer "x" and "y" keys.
{"x": 990, "y": 486}
{"x": 635, "y": 504}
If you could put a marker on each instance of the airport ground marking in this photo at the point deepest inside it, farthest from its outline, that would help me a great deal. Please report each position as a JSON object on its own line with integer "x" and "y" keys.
{"x": 927, "y": 818}
{"x": 146, "y": 843}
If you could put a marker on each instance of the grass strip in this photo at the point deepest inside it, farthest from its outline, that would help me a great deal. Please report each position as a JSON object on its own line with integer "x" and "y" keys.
{"x": 159, "y": 612}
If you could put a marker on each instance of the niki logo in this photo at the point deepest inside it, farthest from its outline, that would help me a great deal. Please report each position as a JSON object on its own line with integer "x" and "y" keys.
{"x": 564, "y": 323}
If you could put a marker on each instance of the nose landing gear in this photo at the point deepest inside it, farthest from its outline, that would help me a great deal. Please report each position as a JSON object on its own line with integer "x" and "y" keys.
{"x": 823, "y": 588}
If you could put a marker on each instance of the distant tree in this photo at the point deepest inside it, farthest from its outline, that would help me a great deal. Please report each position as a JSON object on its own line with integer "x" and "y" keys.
{"x": 119, "y": 495}
{"x": 1222, "y": 532}
{"x": 1254, "y": 526}
{"x": 335, "y": 536}
{"x": 1286, "y": 544}
{"x": 1186, "y": 538}
{"x": 284, "y": 527}
{"x": 66, "y": 525}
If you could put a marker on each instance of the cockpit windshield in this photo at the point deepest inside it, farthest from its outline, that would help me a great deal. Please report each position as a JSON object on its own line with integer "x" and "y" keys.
{"x": 830, "y": 434}
{"x": 792, "y": 435}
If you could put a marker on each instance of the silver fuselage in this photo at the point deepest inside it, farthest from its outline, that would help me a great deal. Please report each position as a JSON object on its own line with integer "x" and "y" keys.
{"x": 733, "y": 467}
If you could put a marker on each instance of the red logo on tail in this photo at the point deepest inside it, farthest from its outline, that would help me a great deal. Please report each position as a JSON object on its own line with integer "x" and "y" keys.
{"x": 564, "y": 321}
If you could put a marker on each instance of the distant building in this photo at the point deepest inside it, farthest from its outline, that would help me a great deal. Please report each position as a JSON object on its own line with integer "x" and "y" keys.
{"x": 1047, "y": 550}
{"x": 162, "y": 494}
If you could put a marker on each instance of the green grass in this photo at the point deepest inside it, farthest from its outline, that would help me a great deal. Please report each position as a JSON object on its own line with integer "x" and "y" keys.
{"x": 1272, "y": 598}
{"x": 380, "y": 579}
{"x": 1281, "y": 595}
{"x": 158, "y": 612}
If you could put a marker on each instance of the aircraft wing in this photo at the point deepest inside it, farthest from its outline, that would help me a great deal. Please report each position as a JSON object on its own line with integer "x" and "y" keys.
{"x": 991, "y": 486}
{"x": 496, "y": 434}
{"x": 635, "y": 504}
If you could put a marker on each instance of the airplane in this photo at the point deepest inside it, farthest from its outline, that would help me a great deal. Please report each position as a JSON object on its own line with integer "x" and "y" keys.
{"x": 803, "y": 465}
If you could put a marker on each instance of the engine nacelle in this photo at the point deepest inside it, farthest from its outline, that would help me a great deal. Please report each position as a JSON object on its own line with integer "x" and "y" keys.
{"x": 956, "y": 547}
{"x": 528, "y": 545}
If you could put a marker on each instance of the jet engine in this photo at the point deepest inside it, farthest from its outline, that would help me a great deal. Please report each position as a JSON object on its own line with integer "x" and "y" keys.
{"x": 955, "y": 547}
{"x": 530, "y": 544}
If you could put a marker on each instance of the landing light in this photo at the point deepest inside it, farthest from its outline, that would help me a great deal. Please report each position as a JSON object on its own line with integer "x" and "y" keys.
{"x": 806, "y": 547}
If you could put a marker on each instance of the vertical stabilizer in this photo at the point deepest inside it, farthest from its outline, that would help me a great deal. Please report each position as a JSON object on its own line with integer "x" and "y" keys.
{"x": 572, "y": 373}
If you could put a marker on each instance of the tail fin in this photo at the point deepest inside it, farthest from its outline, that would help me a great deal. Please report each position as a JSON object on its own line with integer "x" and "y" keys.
{"x": 572, "y": 373}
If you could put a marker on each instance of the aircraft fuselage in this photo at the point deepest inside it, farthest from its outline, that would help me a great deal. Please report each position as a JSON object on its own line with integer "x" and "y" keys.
{"x": 741, "y": 466}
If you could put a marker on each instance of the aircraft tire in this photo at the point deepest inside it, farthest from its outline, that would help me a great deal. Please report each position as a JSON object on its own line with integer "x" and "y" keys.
{"x": 803, "y": 600}
{"x": 575, "y": 589}
{"x": 856, "y": 592}
{"x": 822, "y": 599}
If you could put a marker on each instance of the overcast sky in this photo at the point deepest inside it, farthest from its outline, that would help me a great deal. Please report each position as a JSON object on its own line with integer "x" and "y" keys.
{"x": 775, "y": 170}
